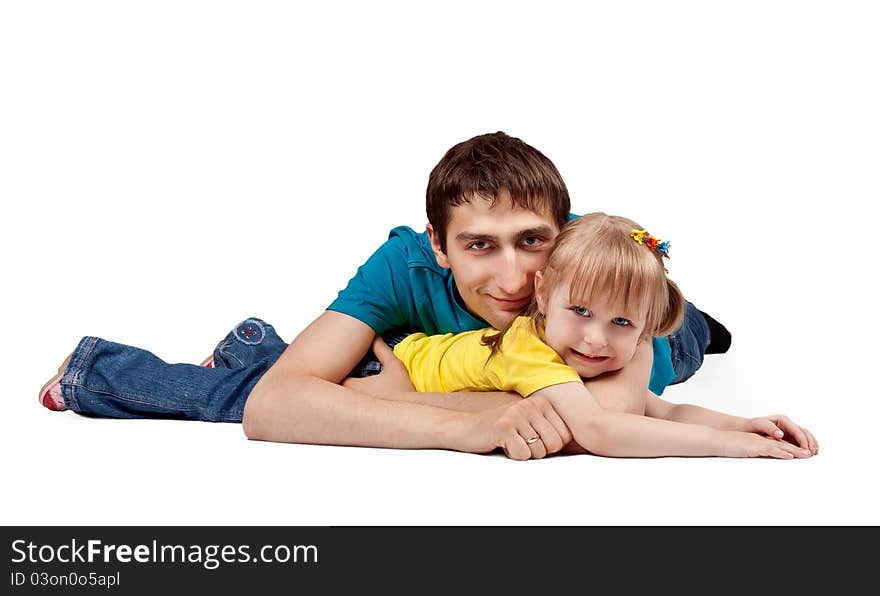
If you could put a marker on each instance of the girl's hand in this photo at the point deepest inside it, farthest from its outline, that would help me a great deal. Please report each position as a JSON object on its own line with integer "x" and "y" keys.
{"x": 749, "y": 444}
{"x": 392, "y": 381}
{"x": 784, "y": 429}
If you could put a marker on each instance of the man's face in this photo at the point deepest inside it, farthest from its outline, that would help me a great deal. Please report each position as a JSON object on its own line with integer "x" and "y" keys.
{"x": 494, "y": 254}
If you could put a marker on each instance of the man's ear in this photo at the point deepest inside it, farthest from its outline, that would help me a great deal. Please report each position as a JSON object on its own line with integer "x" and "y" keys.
{"x": 435, "y": 246}
{"x": 540, "y": 298}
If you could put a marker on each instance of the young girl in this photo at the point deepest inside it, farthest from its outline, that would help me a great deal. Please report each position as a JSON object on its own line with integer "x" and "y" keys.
{"x": 603, "y": 291}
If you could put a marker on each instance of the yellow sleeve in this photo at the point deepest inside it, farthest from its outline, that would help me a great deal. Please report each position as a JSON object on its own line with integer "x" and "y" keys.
{"x": 526, "y": 364}
{"x": 445, "y": 363}
{"x": 448, "y": 363}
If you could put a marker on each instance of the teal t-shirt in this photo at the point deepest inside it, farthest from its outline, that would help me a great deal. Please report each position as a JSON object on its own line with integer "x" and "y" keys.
{"x": 401, "y": 285}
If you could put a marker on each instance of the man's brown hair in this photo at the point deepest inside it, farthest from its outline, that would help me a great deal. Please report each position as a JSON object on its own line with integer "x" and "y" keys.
{"x": 487, "y": 166}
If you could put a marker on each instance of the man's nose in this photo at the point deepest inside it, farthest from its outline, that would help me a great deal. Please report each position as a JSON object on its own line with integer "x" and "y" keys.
{"x": 512, "y": 276}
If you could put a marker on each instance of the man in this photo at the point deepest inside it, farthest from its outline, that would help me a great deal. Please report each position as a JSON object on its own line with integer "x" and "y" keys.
{"x": 494, "y": 207}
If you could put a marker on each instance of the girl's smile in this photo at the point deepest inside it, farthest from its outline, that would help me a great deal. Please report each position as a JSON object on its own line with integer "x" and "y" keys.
{"x": 588, "y": 357}
{"x": 592, "y": 338}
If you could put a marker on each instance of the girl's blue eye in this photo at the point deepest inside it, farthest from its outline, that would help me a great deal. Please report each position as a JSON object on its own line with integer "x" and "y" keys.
{"x": 580, "y": 311}
{"x": 621, "y": 321}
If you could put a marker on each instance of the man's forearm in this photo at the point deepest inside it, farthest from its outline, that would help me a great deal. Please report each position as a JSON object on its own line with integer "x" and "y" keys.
{"x": 311, "y": 410}
{"x": 298, "y": 401}
{"x": 462, "y": 401}
{"x": 691, "y": 414}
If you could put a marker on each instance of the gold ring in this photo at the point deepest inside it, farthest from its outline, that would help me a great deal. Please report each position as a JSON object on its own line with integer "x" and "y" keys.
{"x": 531, "y": 440}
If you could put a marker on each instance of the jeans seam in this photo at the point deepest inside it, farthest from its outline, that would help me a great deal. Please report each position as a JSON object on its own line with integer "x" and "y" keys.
{"x": 230, "y": 355}
{"x": 134, "y": 400}
{"x": 73, "y": 377}
{"x": 237, "y": 418}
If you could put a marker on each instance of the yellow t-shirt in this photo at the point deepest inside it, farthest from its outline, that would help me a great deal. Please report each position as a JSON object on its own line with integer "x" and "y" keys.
{"x": 447, "y": 363}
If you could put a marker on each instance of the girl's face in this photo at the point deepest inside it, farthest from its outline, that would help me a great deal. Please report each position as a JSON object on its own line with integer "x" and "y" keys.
{"x": 592, "y": 338}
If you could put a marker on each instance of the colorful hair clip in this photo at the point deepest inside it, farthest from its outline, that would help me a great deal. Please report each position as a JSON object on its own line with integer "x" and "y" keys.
{"x": 638, "y": 235}
{"x": 663, "y": 247}
{"x": 644, "y": 238}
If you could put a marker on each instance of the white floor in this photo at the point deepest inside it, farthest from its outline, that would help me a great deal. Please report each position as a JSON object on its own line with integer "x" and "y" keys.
{"x": 170, "y": 171}
{"x": 61, "y": 468}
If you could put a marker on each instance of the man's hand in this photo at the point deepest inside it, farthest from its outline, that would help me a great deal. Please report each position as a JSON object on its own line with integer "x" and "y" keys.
{"x": 393, "y": 380}
{"x": 527, "y": 429}
{"x": 747, "y": 444}
{"x": 783, "y": 428}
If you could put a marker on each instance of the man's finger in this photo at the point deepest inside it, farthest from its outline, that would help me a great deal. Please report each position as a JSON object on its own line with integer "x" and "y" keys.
{"x": 516, "y": 448}
{"x": 533, "y": 441}
{"x": 814, "y": 444}
{"x": 795, "y": 431}
{"x": 768, "y": 428}
{"x": 552, "y": 416}
{"x": 550, "y": 438}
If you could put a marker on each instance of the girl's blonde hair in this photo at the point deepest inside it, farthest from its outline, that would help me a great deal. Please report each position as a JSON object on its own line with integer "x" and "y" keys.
{"x": 597, "y": 255}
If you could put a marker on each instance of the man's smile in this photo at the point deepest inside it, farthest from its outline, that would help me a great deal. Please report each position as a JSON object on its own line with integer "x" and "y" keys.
{"x": 512, "y": 303}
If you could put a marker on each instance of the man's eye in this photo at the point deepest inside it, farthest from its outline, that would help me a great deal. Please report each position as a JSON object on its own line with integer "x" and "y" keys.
{"x": 478, "y": 245}
{"x": 621, "y": 321}
{"x": 580, "y": 311}
{"x": 533, "y": 241}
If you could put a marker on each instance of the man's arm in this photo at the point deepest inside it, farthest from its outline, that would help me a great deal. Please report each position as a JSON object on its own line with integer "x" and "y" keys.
{"x": 622, "y": 391}
{"x": 625, "y": 390}
{"x": 298, "y": 401}
{"x": 620, "y": 434}
{"x": 659, "y": 408}
{"x": 776, "y": 426}
{"x": 460, "y": 401}
{"x": 394, "y": 383}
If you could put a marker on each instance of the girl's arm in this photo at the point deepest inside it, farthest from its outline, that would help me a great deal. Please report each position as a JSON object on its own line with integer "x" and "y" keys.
{"x": 777, "y": 426}
{"x": 619, "y": 434}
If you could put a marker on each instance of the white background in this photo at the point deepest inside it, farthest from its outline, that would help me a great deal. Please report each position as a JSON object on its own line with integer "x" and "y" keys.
{"x": 170, "y": 168}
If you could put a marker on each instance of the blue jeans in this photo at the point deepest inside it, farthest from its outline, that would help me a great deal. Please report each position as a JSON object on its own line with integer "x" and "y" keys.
{"x": 688, "y": 344}
{"x": 113, "y": 380}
